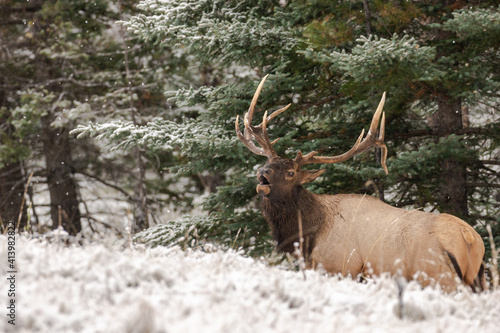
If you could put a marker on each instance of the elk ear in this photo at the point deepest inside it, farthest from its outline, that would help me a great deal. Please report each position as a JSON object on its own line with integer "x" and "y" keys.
{"x": 310, "y": 175}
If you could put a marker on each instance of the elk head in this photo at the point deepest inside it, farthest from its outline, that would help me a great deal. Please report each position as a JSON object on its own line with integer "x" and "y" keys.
{"x": 280, "y": 176}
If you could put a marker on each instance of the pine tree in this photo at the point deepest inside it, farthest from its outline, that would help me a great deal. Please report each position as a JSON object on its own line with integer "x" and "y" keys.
{"x": 43, "y": 40}
{"x": 450, "y": 91}
{"x": 436, "y": 60}
{"x": 68, "y": 62}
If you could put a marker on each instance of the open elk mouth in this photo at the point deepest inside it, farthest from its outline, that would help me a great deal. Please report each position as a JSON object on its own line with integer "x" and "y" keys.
{"x": 263, "y": 181}
{"x": 264, "y": 186}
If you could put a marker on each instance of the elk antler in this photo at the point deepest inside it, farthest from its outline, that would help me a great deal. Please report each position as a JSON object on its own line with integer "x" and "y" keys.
{"x": 258, "y": 133}
{"x": 360, "y": 145}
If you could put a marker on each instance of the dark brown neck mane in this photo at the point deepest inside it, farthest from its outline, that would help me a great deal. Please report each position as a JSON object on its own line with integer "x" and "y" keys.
{"x": 281, "y": 213}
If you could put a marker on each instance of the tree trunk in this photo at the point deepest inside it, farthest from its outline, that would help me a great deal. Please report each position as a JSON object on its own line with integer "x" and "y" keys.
{"x": 12, "y": 183}
{"x": 62, "y": 186}
{"x": 141, "y": 220}
{"x": 452, "y": 196}
{"x": 367, "y": 18}
{"x": 141, "y": 210}
{"x": 11, "y": 175}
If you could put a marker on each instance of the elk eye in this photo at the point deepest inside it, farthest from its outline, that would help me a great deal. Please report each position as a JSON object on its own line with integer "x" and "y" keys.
{"x": 291, "y": 174}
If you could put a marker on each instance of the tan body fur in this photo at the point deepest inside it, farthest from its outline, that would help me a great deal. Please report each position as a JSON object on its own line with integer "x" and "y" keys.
{"x": 356, "y": 234}
{"x": 366, "y": 236}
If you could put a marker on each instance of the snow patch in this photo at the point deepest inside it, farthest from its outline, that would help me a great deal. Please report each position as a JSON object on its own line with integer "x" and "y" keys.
{"x": 102, "y": 288}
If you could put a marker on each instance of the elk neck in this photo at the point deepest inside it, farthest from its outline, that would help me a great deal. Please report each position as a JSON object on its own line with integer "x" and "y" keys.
{"x": 281, "y": 213}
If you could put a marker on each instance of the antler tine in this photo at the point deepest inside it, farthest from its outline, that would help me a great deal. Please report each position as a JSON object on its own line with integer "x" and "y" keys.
{"x": 380, "y": 143}
{"x": 258, "y": 133}
{"x": 277, "y": 112}
{"x": 250, "y": 145}
{"x": 251, "y": 109}
{"x": 263, "y": 140}
{"x": 360, "y": 145}
{"x": 381, "y": 134}
{"x": 376, "y": 116}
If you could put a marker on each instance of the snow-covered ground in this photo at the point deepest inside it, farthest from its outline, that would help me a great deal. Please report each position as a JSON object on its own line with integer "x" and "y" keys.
{"x": 101, "y": 288}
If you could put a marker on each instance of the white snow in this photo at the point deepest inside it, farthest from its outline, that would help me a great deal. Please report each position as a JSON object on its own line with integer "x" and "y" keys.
{"x": 102, "y": 288}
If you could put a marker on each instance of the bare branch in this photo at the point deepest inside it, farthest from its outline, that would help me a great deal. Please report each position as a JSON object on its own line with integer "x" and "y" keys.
{"x": 102, "y": 181}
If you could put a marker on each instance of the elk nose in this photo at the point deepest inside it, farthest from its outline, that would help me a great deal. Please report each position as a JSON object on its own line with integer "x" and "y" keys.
{"x": 265, "y": 171}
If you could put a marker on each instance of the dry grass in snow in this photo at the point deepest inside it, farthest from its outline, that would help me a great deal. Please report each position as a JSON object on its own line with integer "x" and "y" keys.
{"x": 100, "y": 288}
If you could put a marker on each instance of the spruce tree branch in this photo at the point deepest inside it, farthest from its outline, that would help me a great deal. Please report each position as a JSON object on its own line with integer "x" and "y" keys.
{"x": 482, "y": 217}
{"x": 406, "y": 203}
{"x": 367, "y": 18}
{"x": 12, "y": 21}
{"x": 305, "y": 106}
{"x": 483, "y": 166}
{"x": 492, "y": 162}
{"x": 470, "y": 184}
{"x": 429, "y": 132}
{"x": 102, "y": 181}
{"x": 33, "y": 6}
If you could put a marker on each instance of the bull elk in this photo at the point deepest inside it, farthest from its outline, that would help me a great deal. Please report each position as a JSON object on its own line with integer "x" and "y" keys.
{"x": 358, "y": 235}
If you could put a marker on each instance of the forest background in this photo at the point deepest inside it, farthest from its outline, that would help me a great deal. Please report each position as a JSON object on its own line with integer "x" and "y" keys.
{"x": 118, "y": 116}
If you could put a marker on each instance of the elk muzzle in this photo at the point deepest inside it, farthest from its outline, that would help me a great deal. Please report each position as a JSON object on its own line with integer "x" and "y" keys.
{"x": 264, "y": 187}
